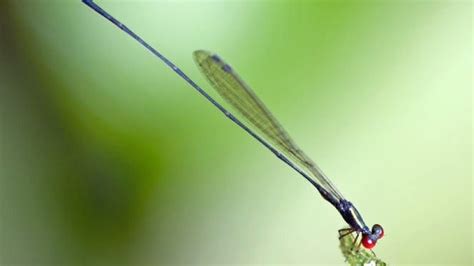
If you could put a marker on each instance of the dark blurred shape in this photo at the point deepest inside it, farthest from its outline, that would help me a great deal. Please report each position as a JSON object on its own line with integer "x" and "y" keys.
{"x": 64, "y": 198}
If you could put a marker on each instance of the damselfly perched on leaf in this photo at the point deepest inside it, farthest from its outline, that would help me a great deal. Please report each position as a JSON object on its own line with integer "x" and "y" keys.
{"x": 270, "y": 133}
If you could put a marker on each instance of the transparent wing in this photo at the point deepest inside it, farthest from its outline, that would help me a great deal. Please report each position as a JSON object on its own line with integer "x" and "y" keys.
{"x": 233, "y": 89}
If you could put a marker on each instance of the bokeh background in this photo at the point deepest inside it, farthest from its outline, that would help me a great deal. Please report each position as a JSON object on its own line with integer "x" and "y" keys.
{"x": 108, "y": 157}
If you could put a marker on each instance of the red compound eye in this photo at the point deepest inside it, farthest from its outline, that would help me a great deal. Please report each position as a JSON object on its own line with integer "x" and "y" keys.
{"x": 367, "y": 242}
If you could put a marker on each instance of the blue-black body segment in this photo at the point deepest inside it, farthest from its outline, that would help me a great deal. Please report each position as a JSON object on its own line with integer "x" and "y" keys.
{"x": 216, "y": 58}
{"x": 345, "y": 208}
{"x": 352, "y": 216}
{"x": 227, "y": 68}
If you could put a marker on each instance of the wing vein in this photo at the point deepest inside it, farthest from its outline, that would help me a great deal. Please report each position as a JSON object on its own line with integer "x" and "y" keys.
{"x": 238, "y": 94}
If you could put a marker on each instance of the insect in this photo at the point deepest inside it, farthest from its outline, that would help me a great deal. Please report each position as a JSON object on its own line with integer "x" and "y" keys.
{"x": 238, "y": 94}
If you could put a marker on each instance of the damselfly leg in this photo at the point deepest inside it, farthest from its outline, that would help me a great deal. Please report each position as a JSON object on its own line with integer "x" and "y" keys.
{"x": 345, "y": 232}
{"x": 355, "y": 242}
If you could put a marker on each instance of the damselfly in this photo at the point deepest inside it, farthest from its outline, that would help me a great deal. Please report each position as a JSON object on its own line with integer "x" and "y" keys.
{"x": 234, "y": 90}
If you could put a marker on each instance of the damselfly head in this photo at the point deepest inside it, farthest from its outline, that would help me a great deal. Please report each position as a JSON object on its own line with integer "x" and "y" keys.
{"x": 370, "y": 240}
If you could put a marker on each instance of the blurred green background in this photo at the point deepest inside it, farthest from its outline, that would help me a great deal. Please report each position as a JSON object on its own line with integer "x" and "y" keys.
{"x": 108, "y": 157}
